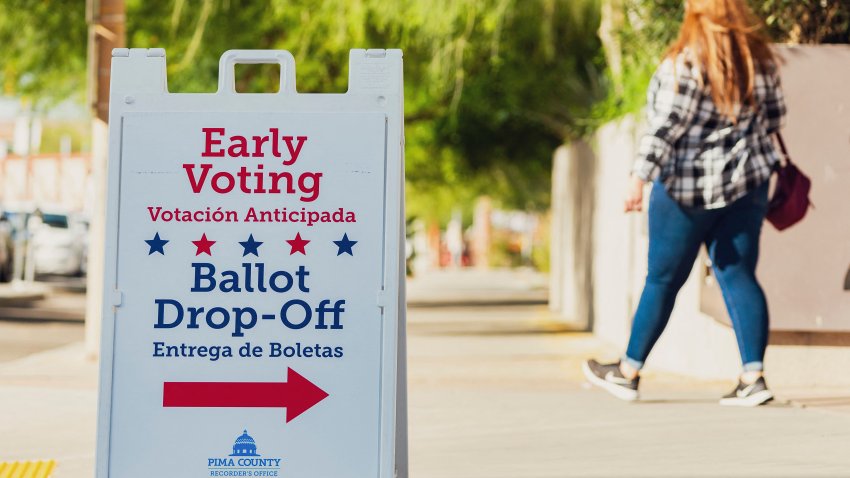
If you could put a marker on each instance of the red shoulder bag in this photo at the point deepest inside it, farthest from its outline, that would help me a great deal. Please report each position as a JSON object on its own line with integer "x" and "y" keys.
{"x": 790, "y": 200}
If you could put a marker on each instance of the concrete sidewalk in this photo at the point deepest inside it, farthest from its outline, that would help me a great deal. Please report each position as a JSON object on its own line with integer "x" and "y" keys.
{"x": 495, "y": 391}
{"x": 488, "y": 401}
{"x": 456, "y": 287}
{"x": 48, "y": 404}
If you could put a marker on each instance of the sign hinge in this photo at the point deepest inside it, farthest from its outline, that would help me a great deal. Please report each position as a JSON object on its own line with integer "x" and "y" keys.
{"x": 117, "y": 298}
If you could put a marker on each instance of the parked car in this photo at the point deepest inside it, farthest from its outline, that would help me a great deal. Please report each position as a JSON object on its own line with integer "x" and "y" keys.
{"x": 58, "y": 243}
{"x": 7, "y": 249}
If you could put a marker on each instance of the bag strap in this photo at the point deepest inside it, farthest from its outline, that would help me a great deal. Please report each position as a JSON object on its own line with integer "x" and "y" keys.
{"x": 783, "y": 147}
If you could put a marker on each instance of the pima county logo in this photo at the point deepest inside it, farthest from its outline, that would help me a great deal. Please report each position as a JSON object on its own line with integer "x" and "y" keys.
{"x": 244, "y": 461}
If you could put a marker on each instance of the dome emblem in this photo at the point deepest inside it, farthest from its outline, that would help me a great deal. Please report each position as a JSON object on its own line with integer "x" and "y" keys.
{"x": 244, "y": 445}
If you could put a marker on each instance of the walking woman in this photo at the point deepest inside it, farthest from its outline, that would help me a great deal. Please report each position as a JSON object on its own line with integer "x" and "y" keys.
{"x": 714, "y": 104}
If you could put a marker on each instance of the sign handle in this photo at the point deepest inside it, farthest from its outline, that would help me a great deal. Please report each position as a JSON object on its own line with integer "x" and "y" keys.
{"x": 230, "y": 58}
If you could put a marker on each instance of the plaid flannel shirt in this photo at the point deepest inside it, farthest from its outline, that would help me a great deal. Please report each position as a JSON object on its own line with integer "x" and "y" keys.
{"x": 704, "y": 160}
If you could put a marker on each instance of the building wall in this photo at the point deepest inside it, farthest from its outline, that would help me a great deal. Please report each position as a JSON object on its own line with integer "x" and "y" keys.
{"x": 620, "y": 239}
{"x": 814, "y": 255}
{"x": 46, "y": 181}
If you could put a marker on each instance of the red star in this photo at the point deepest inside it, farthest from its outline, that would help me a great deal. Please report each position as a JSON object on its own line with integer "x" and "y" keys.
{"x": 203, "y": 245}
{"x": 297, "y": 244}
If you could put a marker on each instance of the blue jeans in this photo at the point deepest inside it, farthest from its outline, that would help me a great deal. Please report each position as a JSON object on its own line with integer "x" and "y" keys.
{"x": 731, "y": 235}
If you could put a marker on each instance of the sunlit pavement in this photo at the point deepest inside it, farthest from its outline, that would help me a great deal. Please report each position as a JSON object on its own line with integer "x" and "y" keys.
{"x": 49, "y": 298}
{"x": 48, "y": 402}
{"x": 488, "y": 401}
{"x": 495, "y": 391}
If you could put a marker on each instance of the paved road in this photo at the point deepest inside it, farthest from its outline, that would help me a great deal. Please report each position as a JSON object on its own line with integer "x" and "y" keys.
{"x": 64, "y": 300}
{"x": 47, "y": 388}
{"x": 27, "y": 327}
{"x": 19, "y": 338}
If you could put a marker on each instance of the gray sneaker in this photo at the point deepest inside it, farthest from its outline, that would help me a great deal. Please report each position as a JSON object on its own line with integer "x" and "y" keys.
{"x": 609, "y": 378}
{"x": 751, "y": 395}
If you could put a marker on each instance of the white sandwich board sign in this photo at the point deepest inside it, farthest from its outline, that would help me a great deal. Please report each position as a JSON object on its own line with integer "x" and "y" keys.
{"x": 254, "y": 280}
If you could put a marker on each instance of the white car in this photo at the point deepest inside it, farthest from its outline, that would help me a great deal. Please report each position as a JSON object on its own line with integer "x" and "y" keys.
{"x": 58, "y": 244}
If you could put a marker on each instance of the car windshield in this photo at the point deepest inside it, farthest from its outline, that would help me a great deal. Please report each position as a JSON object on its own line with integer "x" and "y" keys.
{"x": 55, "y": 220}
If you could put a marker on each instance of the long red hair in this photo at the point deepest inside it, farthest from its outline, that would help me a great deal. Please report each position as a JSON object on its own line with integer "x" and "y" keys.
{"x": 727, "y": 46}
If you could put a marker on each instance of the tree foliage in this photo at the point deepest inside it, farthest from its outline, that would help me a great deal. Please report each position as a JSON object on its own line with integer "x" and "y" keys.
{"x": 491, "y": 86}
{"x": 806, "y": 21}
{"x": 638, "y": 31}
{"x": 43, "y": 54}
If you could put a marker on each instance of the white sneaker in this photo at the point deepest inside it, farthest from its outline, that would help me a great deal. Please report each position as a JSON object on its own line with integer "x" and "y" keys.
{"x": 609, "y": 378}
{"x": 751, "y": 395}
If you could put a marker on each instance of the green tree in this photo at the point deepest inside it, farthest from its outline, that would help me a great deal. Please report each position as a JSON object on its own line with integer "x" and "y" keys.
{"x": 636, "y": 33}
{"x": 523, "y": 100}
{"x": 43, "y": 55}
{"x": 806, "y": 21}
{"x": 491, "y": 86}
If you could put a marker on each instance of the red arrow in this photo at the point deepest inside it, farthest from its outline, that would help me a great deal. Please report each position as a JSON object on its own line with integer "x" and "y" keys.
{"x": 297, "y": 394}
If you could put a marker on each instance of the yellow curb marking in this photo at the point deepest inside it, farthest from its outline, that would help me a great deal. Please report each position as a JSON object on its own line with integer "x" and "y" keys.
{"x": 27, "y": 469}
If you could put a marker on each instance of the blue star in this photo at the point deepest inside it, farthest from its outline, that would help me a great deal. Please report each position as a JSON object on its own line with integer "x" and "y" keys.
{"x": 156, "y": 244}
{"x": 251, "y": 246}
{"x": 345, "y": 245}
